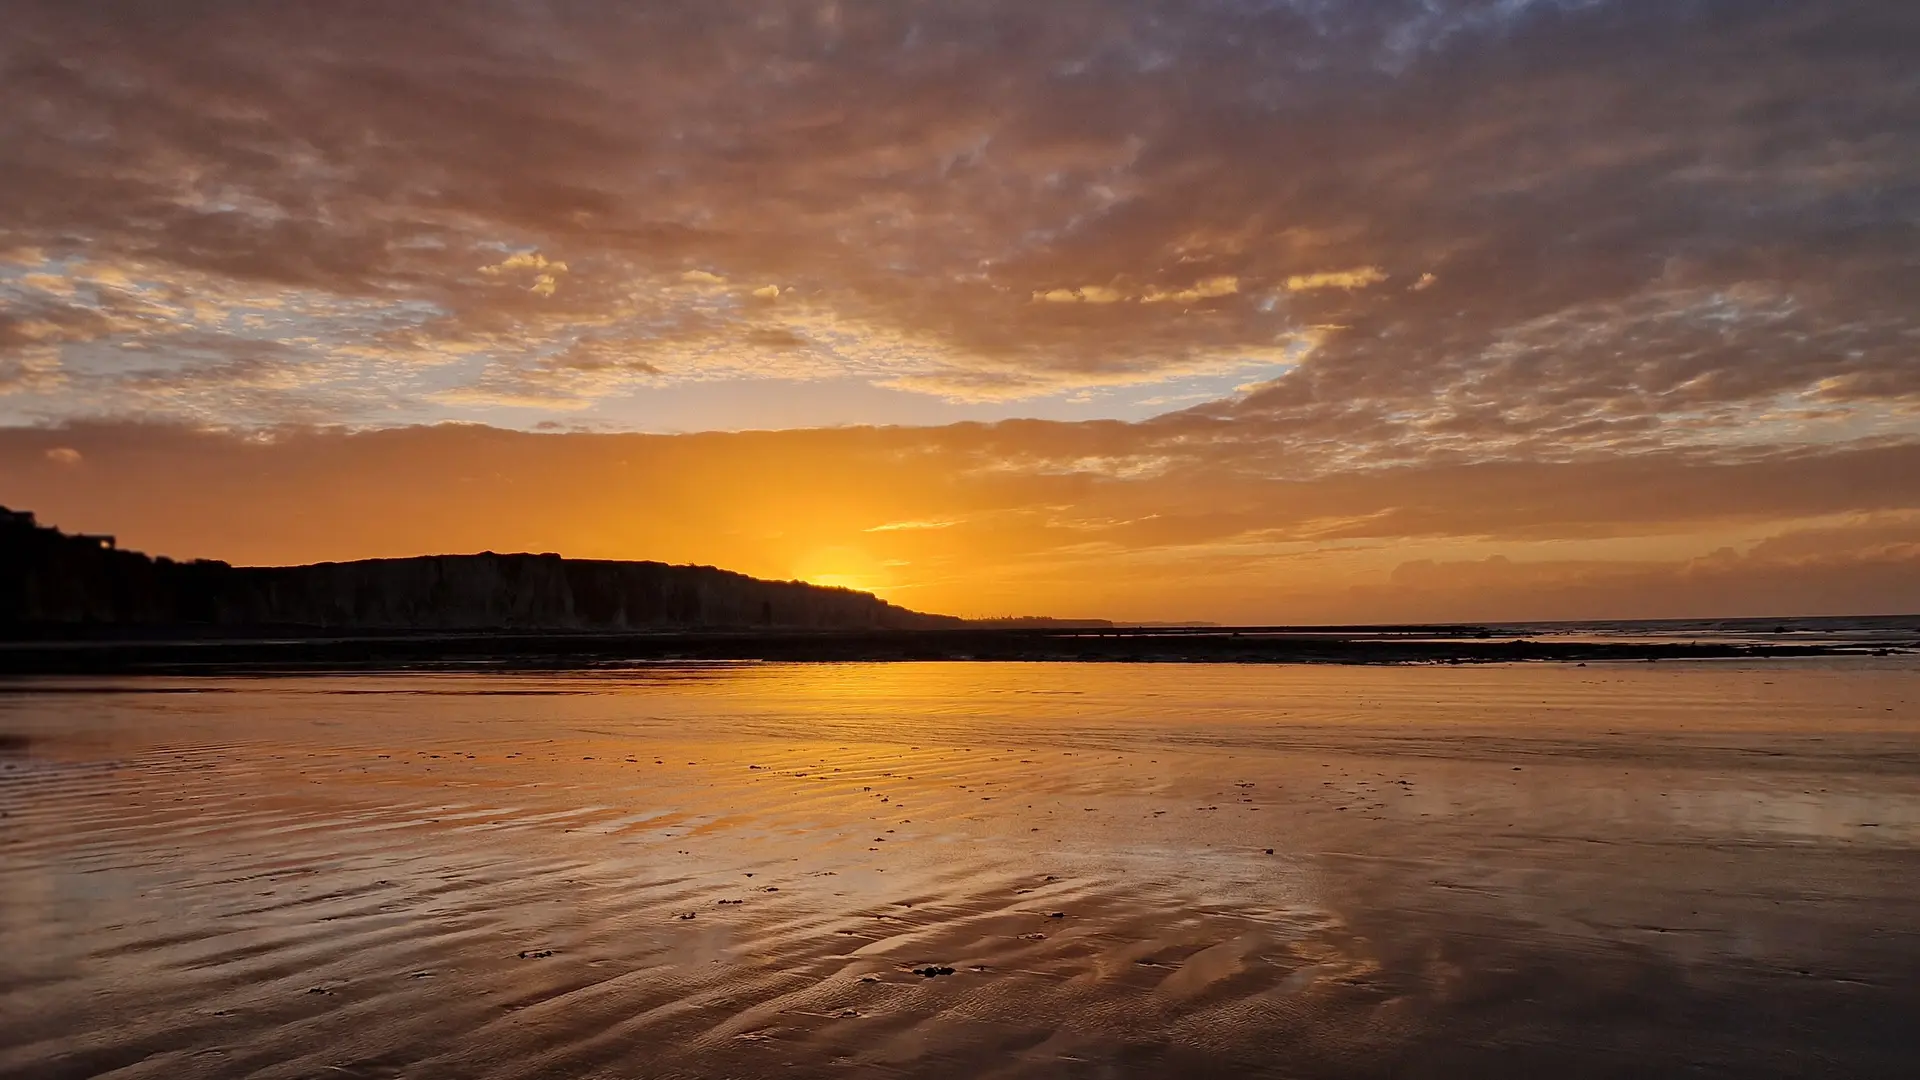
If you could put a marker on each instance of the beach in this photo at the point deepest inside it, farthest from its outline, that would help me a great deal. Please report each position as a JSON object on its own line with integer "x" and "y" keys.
{"x": 1702, "y": 868}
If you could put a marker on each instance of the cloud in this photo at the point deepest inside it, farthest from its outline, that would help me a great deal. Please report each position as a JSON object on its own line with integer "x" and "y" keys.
{"x": 31, "y": 371}
{"x": 1208, "y": 289}
{"x": 546, "y": 272}
{"x": 1853, "y": 570}
{"x": 65, "y": 455}
{"x": 775, "y": 337}
{"x": 1085, "y": 294}
{"x": 525, "y": 260}
{"x": 950, "y": 182}
{"x": 1358, "y": 278}
{"x": 896, "y": 526}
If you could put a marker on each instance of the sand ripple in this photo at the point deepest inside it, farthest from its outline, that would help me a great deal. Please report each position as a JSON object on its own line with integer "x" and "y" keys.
{"x": 1129, "y": 872}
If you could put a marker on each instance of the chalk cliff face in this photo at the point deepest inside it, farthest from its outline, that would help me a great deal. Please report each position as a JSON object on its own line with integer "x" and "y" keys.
{"x": 49, "y": 578}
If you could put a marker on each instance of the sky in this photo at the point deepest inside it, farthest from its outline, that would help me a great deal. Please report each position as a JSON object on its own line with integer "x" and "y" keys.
{"x": 1237, "y": 310}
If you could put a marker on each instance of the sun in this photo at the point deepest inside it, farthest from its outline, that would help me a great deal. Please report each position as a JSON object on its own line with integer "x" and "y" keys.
{"x": 841, "y": 567}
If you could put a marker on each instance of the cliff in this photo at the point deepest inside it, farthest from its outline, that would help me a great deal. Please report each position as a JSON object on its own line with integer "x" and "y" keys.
{"x": 49, "y": 579}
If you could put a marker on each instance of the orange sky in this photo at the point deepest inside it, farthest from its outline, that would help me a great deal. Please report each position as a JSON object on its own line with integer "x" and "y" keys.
{"x": 1119, "y": 521}
{"x": 1187, "y": 310}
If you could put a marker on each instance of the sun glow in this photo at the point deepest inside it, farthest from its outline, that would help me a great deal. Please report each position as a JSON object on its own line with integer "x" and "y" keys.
{"x": 844, "y": 568}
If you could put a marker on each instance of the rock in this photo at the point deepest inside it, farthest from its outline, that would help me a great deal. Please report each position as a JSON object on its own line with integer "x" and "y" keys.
{"x": 77, "y": 581}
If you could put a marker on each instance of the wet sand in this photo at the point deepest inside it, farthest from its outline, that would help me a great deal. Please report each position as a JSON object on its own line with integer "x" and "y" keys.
{"x": 1700, "y": 869}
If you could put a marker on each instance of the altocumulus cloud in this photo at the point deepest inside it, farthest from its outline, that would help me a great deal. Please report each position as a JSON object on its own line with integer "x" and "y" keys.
{"x": 1599, "y": 215}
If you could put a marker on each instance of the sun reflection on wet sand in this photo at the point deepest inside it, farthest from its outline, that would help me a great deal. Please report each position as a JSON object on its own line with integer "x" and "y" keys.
{"x": 1130, "y": 870}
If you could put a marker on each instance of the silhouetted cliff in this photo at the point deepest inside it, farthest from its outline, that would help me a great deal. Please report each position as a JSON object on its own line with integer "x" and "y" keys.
{"x": 48, "y": 578}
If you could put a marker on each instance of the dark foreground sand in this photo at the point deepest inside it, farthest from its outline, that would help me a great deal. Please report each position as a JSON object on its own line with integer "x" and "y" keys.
{"x": 1525, "y": 871}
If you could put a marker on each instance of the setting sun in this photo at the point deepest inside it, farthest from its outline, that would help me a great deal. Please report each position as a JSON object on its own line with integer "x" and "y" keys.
{"x": 844, "y": 568}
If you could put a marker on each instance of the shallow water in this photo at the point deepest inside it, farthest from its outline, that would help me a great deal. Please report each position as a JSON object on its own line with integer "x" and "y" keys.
{"x": 1638, "y": 869}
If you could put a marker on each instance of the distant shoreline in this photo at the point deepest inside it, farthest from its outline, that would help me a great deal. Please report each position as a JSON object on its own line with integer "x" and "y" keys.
{"x": 309, "y": 651}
